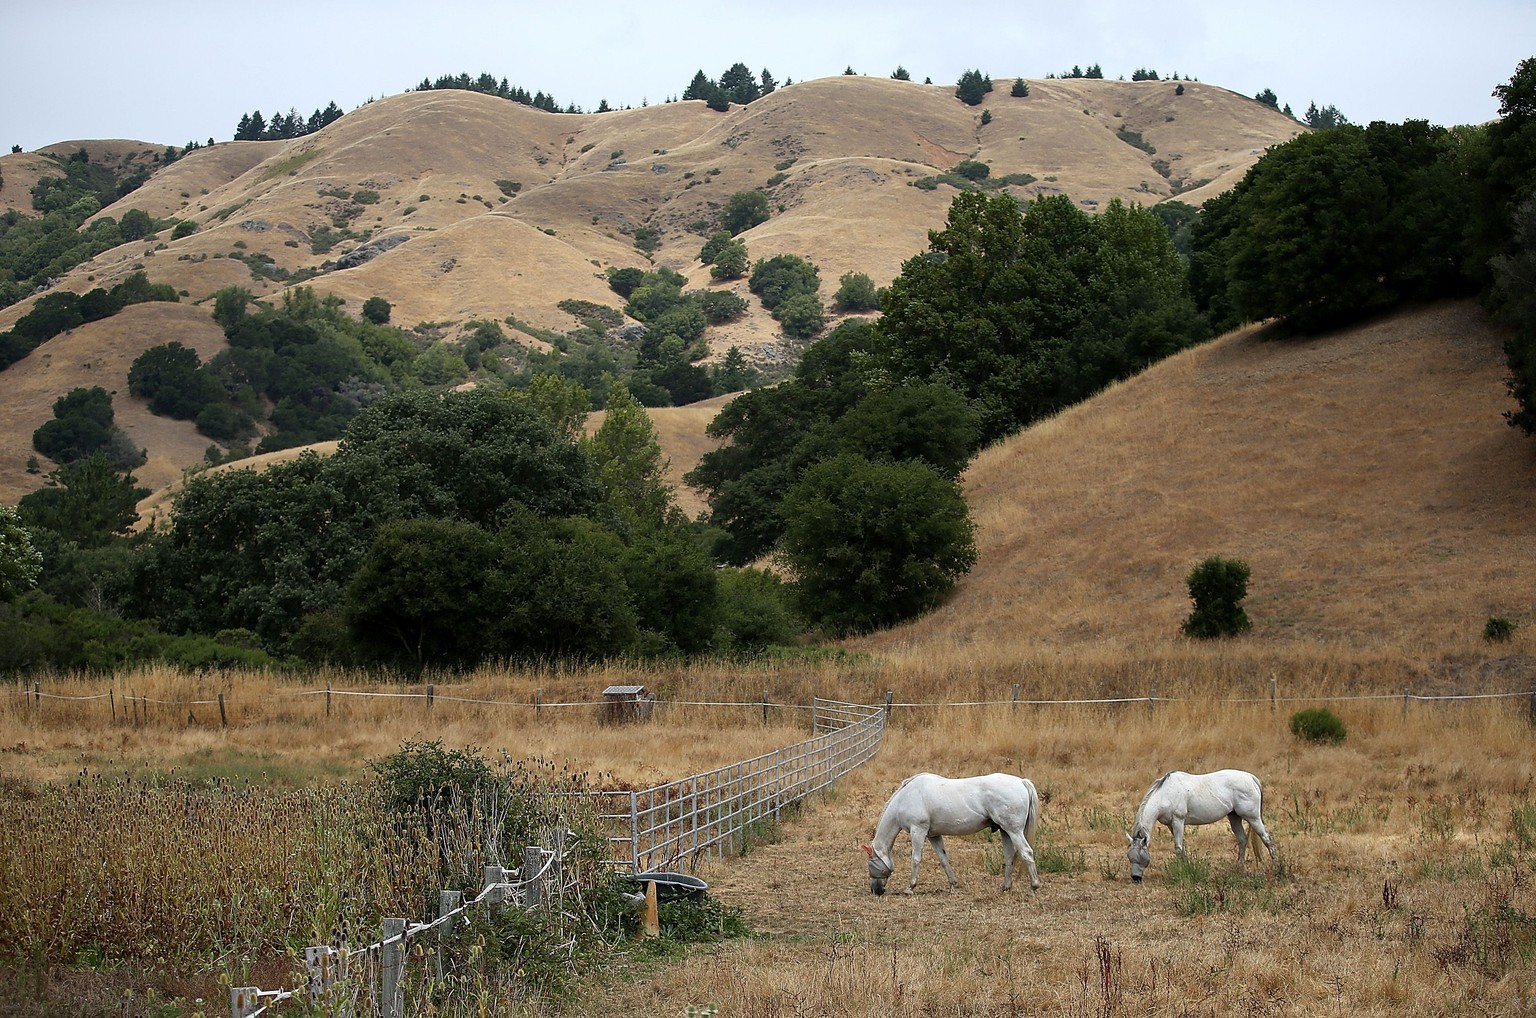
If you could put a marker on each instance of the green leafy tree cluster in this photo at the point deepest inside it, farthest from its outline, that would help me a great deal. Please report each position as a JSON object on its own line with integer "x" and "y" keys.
{"x": 1027, "y": 310}
{"x": 874, "y": 543}
{"x": 1325, "y": 118}
{"x": 488, "y": 84}
{"x": 84, "y": 423}
{"x": 788, "y": 286}
{"x": 1020, "y": 89}
{"x": 1144, "y": 74}
{"x": 744, "y": 210}
{"x": 856, "y": 292}
{"x": 737, "y": 85}
{"x": 973, "y": 87}
{"x": 1335, "y": 225}
{"x": 254, "y": 127}
{"x": 62, "y": 310}
{"x": 835, "y": 403}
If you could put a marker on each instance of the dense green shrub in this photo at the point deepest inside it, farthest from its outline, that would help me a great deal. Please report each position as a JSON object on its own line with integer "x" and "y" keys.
{"x": 856, "y": 292}
{"x": 1498, "y": 629}
{"x": 1318, "y": 724}
{"x": 1217, "y": 586}
{"x": 377, "y": 309}
{"x": 744, "y": 210}
{"x": 972, "y": 169}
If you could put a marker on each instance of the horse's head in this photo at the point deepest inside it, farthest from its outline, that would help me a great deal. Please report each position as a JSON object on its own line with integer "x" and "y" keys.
{"x": 1139, "y": 852}
{"x": 879, "y": 871}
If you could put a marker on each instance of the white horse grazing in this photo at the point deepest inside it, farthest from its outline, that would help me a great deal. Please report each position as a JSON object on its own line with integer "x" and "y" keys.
{"x": 928, "y": 807}
{"x": 1177, "y": 798}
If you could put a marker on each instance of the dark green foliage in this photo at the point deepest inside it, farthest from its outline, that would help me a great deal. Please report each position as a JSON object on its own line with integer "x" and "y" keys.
{"x": 756, "y": 612}
{"x": 1268, "y": 98}
{"x": 761, "y": 434}
{"x": 781, "y": 277}
{"x": 1335, "y": 225}
{"x": 801, "y": 316}
{"x": 1217, "y": 586}
{"x": 1144, "y": 74}
{"x": 423, "y": 776}
{"x": 901, "y": 74}
{"x": 1514, "y": 296}
{"x": 1325, "y": 118}
{"x": 167, "y": 377}
{"x": 1498, "y": 629}
{"x": 424, "y": 592}
{"x": 85, "y": 503}
{"x": 1020, "y": 88}
{"x": 986, "y": 117}
{"x": 624, "y": 281}
{"x": 971, "y": 169}
{"x": 1135, "y": 140}
{"x": 744, "y": 210}
{"x": 719, "y": 306}
{"x": 1027, "y": 311}
{"x": 713, "y": 246}
{"x": 973, "y": 87}
{"x": 83, "y": 423}
{"x": 730, "y": 261}
{"x": 856, "y": 292}
{"x": 873, "y": 544}
{"x": 674, "y": 587}
{"x": 1318, "y": 724}
{"x": 488, "y": 84}
{"x": 262, "y": 551}
{"x": 376, "y": 310}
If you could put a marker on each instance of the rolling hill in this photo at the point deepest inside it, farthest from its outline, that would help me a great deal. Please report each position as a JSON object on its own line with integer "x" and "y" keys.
{"x": 499, "y": 211}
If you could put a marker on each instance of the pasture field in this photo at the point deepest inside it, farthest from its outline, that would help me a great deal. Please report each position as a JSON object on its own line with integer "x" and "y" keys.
{"x": 1404, "y": 881}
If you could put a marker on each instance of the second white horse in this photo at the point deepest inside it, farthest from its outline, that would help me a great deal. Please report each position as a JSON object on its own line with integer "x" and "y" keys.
{"x": 1177, "y": 799}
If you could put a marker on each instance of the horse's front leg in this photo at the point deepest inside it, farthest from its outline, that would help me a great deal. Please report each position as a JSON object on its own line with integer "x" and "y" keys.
{"x": 919, "y": 835}
{"x": 938, "y": 849}
{"x": 1177, "y": 827}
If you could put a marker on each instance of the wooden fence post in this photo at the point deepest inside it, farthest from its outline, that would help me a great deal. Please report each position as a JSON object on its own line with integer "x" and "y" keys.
{"x": 134, "y": 697}
{"x": 1015, "y": 697}
{"x": 447, "y": 901}
{"x": 429, "y": 698}
{"x": 391, "y": 967}
{"x": 1274, "y": 704}
{"x": 1152, "y": 702}
{"x": 889, "y": 699}
{"x": 765, "y": 706}
{"x": 223, "y": 718}
{"x": 37, "y": 694}
{"x": 320, "y": 964}
{"x": 1405, "y": 701}
{"x": 327, "y": 697}
{"x": 538, "y": 702}
{"x": 112, "y": 702}
{"x": 533, "y": 875}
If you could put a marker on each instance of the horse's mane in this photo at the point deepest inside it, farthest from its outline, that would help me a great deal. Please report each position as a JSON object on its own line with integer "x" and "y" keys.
{"x": 1155, "y": 786}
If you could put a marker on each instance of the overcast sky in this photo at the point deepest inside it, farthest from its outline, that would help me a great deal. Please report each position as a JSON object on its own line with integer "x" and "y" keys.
{"x": 173, "y": 71}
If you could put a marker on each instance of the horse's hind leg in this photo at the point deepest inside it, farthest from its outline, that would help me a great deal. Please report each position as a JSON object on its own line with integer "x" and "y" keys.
{"x": 1022, "y": 847}
{"x": 1259, "y": 829}
{"x": 1008, "y": 854}
{"x": 1242, "y": 837}
{"x": 938, "y": 849}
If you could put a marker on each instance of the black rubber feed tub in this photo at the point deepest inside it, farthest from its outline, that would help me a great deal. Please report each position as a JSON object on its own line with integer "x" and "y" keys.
{"x": 672, "y": 886}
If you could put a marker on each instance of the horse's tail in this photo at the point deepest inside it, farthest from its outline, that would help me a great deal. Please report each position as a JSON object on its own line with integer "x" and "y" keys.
{"x": 1032, "y": 813}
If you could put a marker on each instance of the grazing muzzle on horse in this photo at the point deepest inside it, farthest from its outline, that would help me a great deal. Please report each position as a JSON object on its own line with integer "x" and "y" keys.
{"x": 879, "y": 872}
{"x": 1139, "y": 853}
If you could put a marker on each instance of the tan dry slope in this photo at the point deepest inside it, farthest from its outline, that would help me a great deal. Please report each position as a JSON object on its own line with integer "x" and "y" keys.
{"x": 1366, "y": 477}
{"x": 843, "y": 154}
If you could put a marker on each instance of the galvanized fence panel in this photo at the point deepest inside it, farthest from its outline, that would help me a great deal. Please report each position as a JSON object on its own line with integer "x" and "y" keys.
{"x": 677, "y": 823}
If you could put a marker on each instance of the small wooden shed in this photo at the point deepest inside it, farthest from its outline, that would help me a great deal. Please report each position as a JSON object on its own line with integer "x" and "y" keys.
{"x": 622, "y": 704}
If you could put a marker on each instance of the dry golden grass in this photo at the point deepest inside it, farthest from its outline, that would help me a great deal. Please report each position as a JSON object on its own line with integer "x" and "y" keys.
{"x": 587, "y": 181}
{"x": 1366, "y": 476}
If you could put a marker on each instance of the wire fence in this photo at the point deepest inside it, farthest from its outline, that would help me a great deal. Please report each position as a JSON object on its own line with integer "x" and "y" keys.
{"x": 372, "y": 978}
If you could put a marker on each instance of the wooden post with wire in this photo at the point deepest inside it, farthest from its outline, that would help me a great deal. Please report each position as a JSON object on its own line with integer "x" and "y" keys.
{"x": 391, "y": 967}
{"x": 1015, "y": 697}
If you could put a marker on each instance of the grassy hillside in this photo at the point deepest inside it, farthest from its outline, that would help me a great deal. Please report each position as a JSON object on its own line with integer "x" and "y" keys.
{"x": 851, "y": 148}
{"x": 1366, "y": 476}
